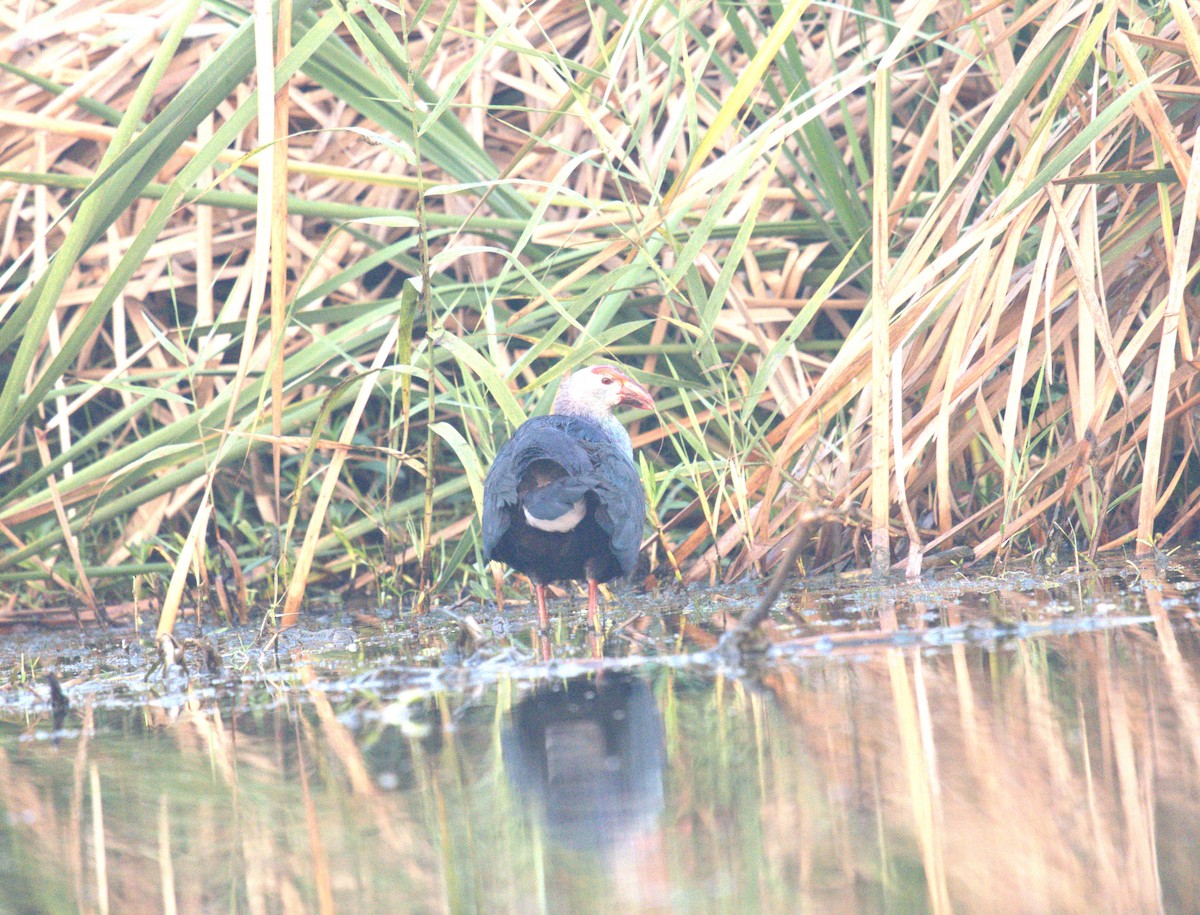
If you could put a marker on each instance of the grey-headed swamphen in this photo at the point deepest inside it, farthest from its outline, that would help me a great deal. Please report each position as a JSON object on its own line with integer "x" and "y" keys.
{"x": 563, "y": 499}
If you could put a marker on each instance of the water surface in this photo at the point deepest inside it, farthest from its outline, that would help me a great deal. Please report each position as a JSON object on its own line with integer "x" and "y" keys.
{"x": 1023, "y": 743}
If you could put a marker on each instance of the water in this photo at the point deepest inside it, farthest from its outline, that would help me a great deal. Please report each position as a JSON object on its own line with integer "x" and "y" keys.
{"x": 1028, "y": 743}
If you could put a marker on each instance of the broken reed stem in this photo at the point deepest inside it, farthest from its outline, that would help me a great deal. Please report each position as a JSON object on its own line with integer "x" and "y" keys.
{"x": 756, "y": 617}
{"x": 279, "y": 246}
{"x": 85, "y": 584}
{"x": 912, "y": 567}
{"x": 425, "y": 303}
{"x": 880, "y": 350}
{"x": 426, "y": 580}
{"x": 192, "y": 550}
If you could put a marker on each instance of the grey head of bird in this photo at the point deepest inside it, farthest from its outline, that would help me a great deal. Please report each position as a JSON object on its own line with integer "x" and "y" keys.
{"x": 596, "y": 391}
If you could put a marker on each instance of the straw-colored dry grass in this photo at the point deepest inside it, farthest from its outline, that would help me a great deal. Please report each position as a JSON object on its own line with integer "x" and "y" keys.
{"x": 224, "y": 348}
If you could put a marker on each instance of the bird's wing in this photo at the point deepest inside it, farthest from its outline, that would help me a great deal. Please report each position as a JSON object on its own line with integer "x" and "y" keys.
{"x": 499, "y": 492}
{"x": 621, "y": 502}
{"x": 543, "y": 438}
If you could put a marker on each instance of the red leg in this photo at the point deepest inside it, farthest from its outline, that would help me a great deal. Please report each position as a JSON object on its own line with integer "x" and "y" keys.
{"x": 498, "y": 583}
{"x": 593, "y": 605}
{"x": 539, "y": 591}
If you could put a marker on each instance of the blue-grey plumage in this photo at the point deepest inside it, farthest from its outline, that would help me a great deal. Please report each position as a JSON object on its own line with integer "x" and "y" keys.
{"x": 563, "y": 499}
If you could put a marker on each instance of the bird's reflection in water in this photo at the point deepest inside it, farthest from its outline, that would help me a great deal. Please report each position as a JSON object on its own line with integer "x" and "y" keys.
{"x": 588, "y": 755}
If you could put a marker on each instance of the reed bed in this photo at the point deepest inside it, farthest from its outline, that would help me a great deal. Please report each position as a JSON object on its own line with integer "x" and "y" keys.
{"x": 276, "y": 281}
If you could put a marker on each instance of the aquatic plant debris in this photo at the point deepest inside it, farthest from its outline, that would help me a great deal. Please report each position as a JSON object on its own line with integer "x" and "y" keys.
{"x": 689, "y": 628}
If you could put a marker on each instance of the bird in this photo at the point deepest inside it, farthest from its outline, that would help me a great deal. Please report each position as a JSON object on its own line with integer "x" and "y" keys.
{"x": 563, "y": 499}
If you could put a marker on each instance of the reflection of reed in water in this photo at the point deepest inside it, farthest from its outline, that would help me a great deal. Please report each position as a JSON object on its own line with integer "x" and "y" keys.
{"x": 1051, "y": 774}
{"x": 1055, "y": 773}
{"x": 588, "y": 754}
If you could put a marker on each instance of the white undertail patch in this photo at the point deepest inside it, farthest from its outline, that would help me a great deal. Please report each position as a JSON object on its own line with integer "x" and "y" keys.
{"x": 560, "y": 525}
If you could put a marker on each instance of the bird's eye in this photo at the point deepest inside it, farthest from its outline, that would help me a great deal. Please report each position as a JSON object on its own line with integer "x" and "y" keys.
{"x": 606, "y": 380}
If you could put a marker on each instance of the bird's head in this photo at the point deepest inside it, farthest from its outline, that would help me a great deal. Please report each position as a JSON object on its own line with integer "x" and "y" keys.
{"x": 598, "y": 390}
